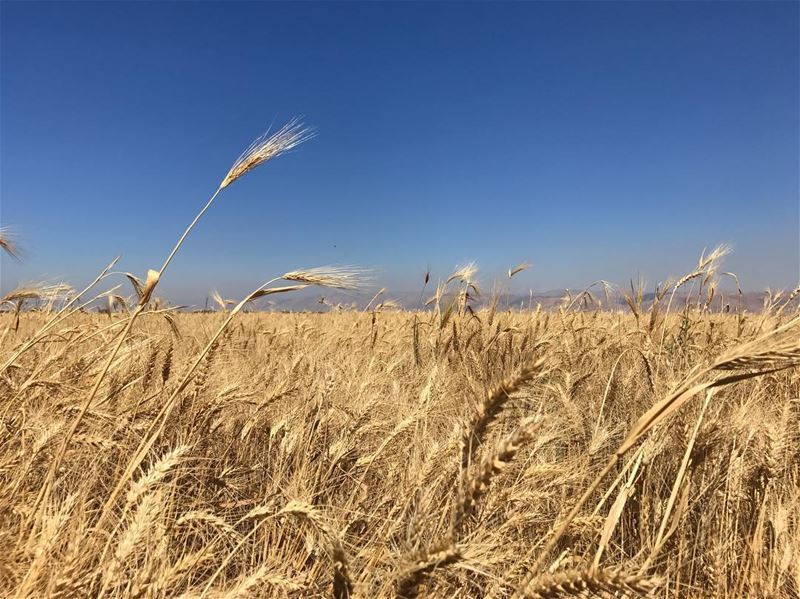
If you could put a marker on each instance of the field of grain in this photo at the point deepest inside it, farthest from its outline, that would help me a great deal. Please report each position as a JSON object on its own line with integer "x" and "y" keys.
{"x": 397, "y": 454}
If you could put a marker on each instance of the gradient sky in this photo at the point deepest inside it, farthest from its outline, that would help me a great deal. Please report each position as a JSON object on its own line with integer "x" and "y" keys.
{"x": 596, "y": 140}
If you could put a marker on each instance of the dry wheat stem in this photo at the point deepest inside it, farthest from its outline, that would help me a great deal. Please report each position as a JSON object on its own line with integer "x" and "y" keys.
{"x": 740, "y": 356}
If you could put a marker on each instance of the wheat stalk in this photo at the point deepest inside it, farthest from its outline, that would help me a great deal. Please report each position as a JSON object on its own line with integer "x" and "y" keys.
{"x": 8, "y": 243}
{"x": 592, "y": 583}
{"x": 491, "y": 406}
{"x": 263, "y": 150}
{"x": 267, "y": 147}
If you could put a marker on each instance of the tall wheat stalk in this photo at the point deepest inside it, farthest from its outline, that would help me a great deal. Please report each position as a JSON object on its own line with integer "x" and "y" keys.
{"x": 262, "y": 150}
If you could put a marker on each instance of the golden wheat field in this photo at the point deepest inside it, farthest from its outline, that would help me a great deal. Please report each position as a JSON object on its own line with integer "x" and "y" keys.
{"x": 400, "y": 454}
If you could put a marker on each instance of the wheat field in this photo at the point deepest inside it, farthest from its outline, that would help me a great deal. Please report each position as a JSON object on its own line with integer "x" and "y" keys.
{"x": 386, "y": 454}
{"x": 463, "y": 450}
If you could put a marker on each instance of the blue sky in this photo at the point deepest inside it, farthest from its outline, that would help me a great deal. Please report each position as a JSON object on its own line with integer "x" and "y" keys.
{"x": 596, "y": 140}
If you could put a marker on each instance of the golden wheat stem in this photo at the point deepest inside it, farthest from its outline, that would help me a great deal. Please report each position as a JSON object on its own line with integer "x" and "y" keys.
{"x": 187, "y": 231}
{"x": 657, "y": 544}
{"x": 534, "y": 570}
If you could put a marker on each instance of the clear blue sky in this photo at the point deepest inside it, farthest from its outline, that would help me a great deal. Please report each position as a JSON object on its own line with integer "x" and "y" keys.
{"x": 596, "y": 140}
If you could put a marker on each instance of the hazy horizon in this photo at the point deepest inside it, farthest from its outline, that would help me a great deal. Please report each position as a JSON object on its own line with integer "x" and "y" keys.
{"x": 598, "y": 141}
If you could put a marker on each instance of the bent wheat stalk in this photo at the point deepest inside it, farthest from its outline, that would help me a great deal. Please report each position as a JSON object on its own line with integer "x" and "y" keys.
{"x": 9, "y": 245}
{"x": 491, "y": 406}
{"x": 265, "y": 148}
{"x": 772, "y": 352}
{"x": 591, "y": 583}
{"x": 412, "y": 577}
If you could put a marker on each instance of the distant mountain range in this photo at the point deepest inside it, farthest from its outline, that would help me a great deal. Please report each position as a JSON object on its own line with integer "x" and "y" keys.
{"x": 323, "y": 300}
